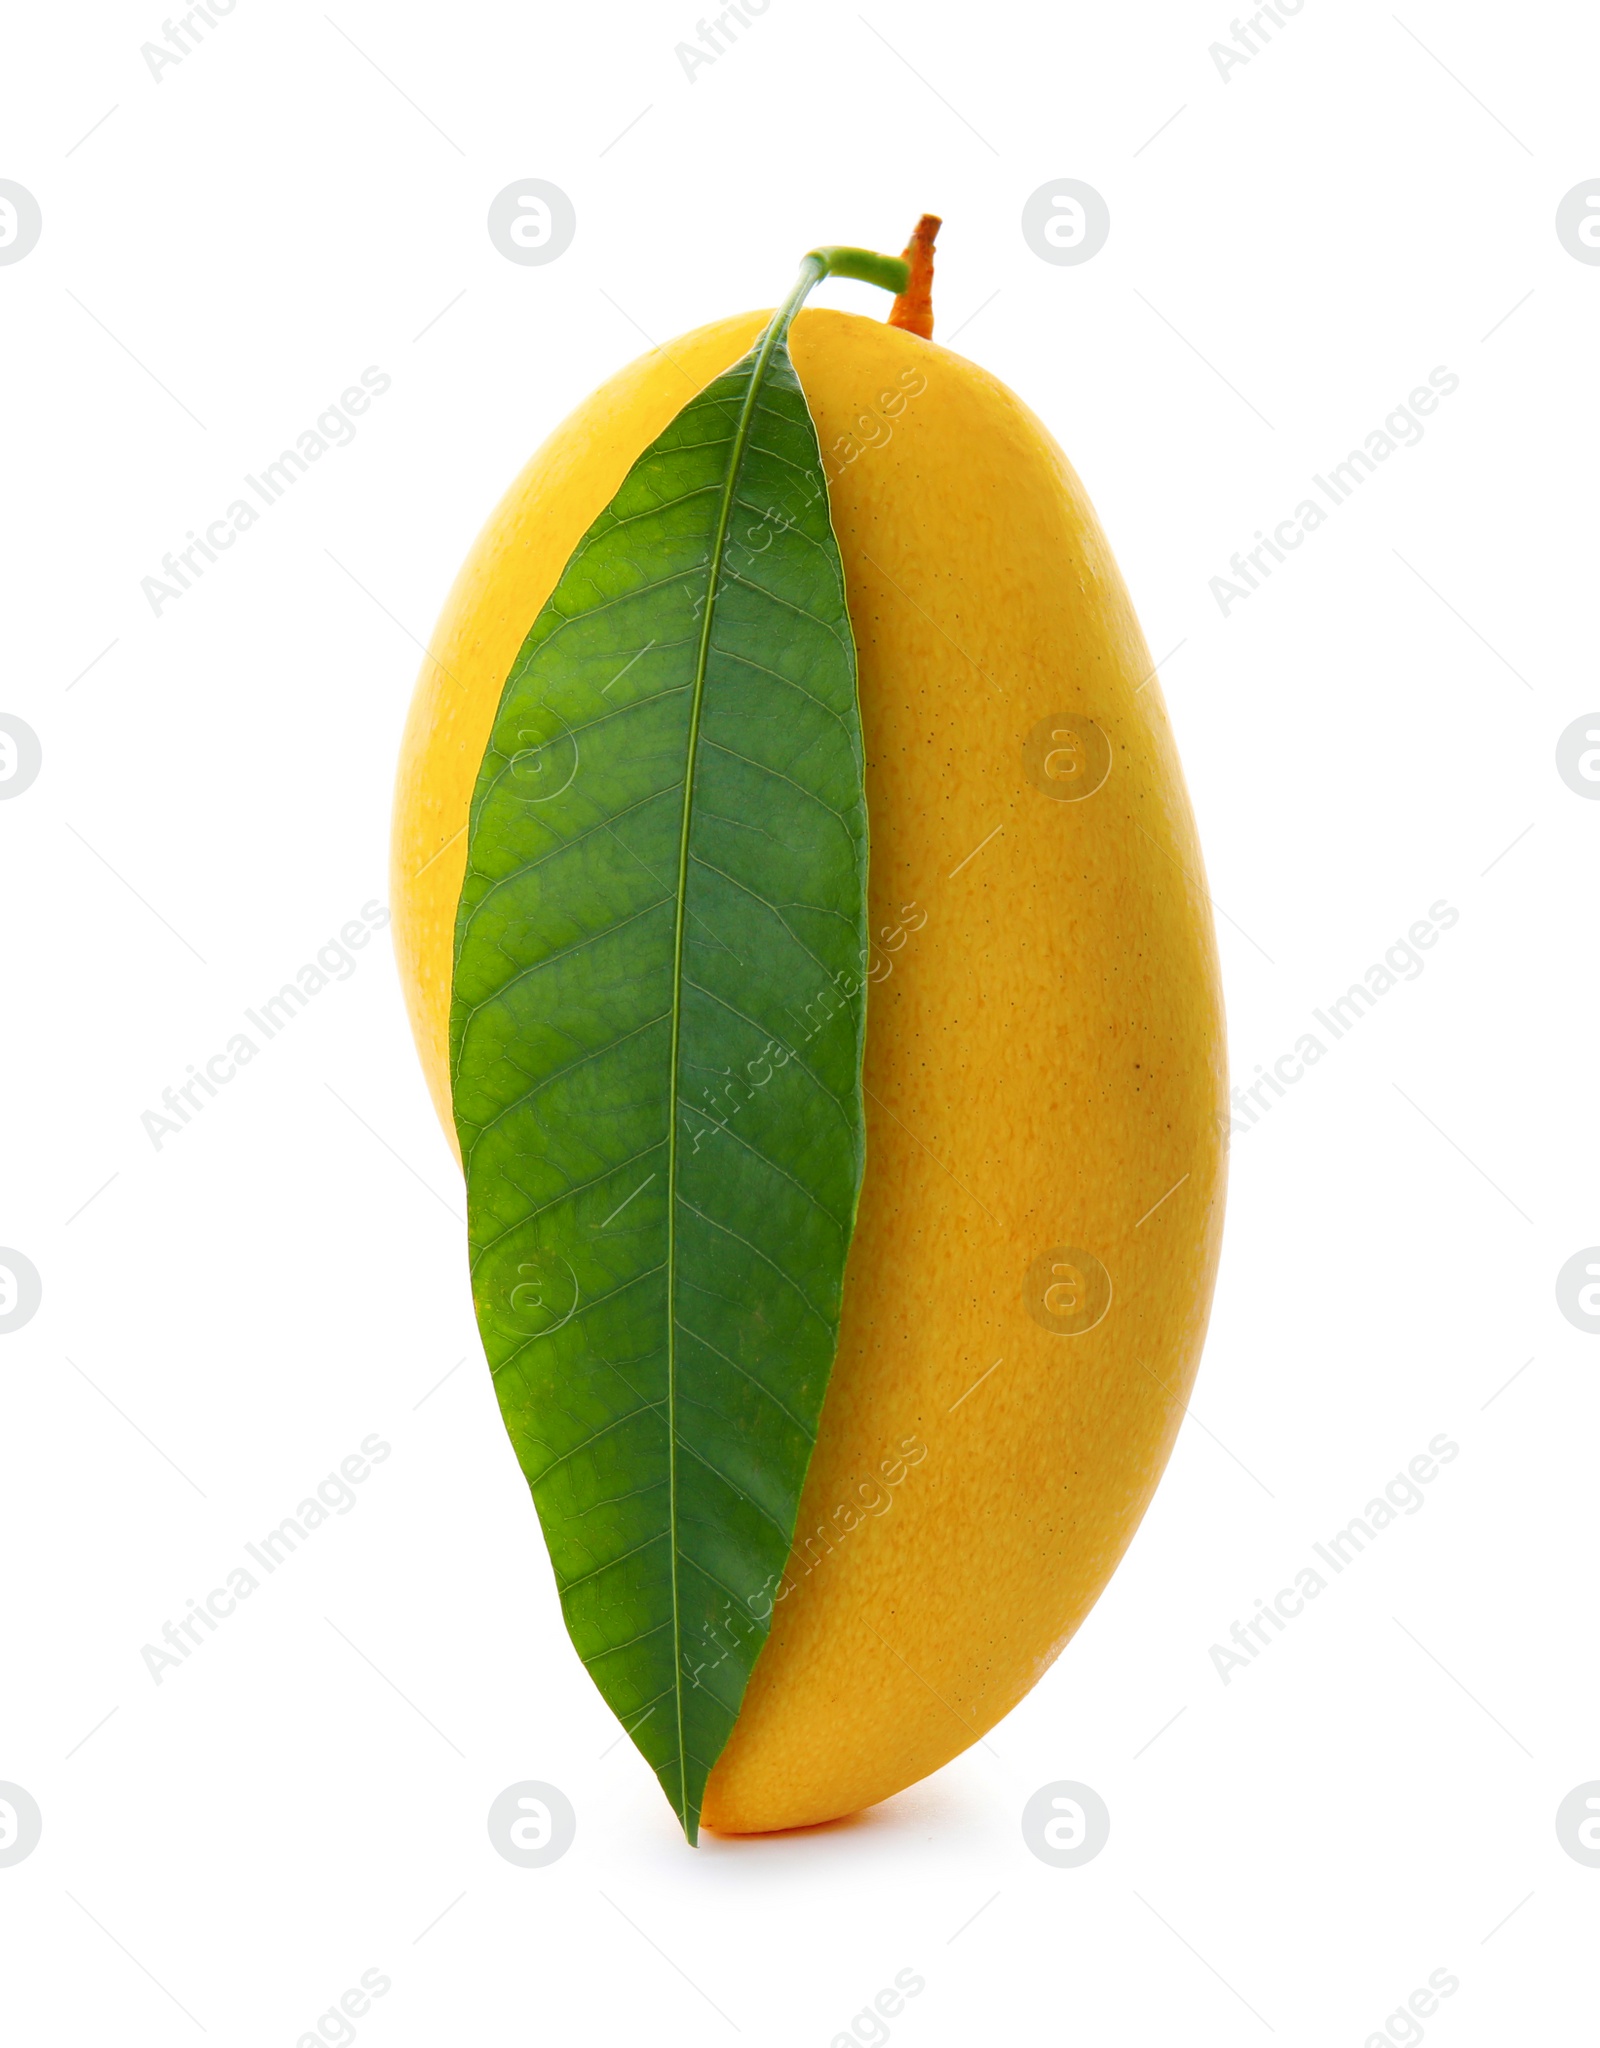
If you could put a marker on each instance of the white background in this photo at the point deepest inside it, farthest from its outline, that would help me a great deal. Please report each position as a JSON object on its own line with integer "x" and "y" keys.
{"x": 229, "y": 1315}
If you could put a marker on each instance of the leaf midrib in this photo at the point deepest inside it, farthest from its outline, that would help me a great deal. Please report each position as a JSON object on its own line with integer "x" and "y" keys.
{"x": 741, "y": 436}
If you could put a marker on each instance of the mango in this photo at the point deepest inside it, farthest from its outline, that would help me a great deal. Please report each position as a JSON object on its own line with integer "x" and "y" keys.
{"x": 1031, "y": 1276}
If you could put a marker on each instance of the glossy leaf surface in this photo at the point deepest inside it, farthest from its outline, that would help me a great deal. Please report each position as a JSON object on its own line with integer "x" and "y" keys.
{"x": 656, "y": 1041}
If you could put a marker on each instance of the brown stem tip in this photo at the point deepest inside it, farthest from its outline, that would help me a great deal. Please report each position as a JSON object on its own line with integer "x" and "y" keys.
{"x": 913, "y": 310}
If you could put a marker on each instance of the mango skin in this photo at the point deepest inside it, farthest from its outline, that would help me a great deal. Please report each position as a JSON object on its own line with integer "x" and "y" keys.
{"x": 1044, "y": 1053}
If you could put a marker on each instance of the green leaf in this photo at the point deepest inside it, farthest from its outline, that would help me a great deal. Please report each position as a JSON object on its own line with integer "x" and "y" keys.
{"x": 656, "y": 1037}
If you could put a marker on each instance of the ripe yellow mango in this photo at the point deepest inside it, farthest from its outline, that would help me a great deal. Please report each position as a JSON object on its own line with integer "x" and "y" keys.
{"x": 1031, "y": 1275}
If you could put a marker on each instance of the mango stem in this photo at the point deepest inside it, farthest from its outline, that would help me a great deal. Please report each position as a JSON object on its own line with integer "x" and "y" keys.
{"x": 913, "y": 309}
{"x": 890, "y": 273}
{"x": 866, "y": 265}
